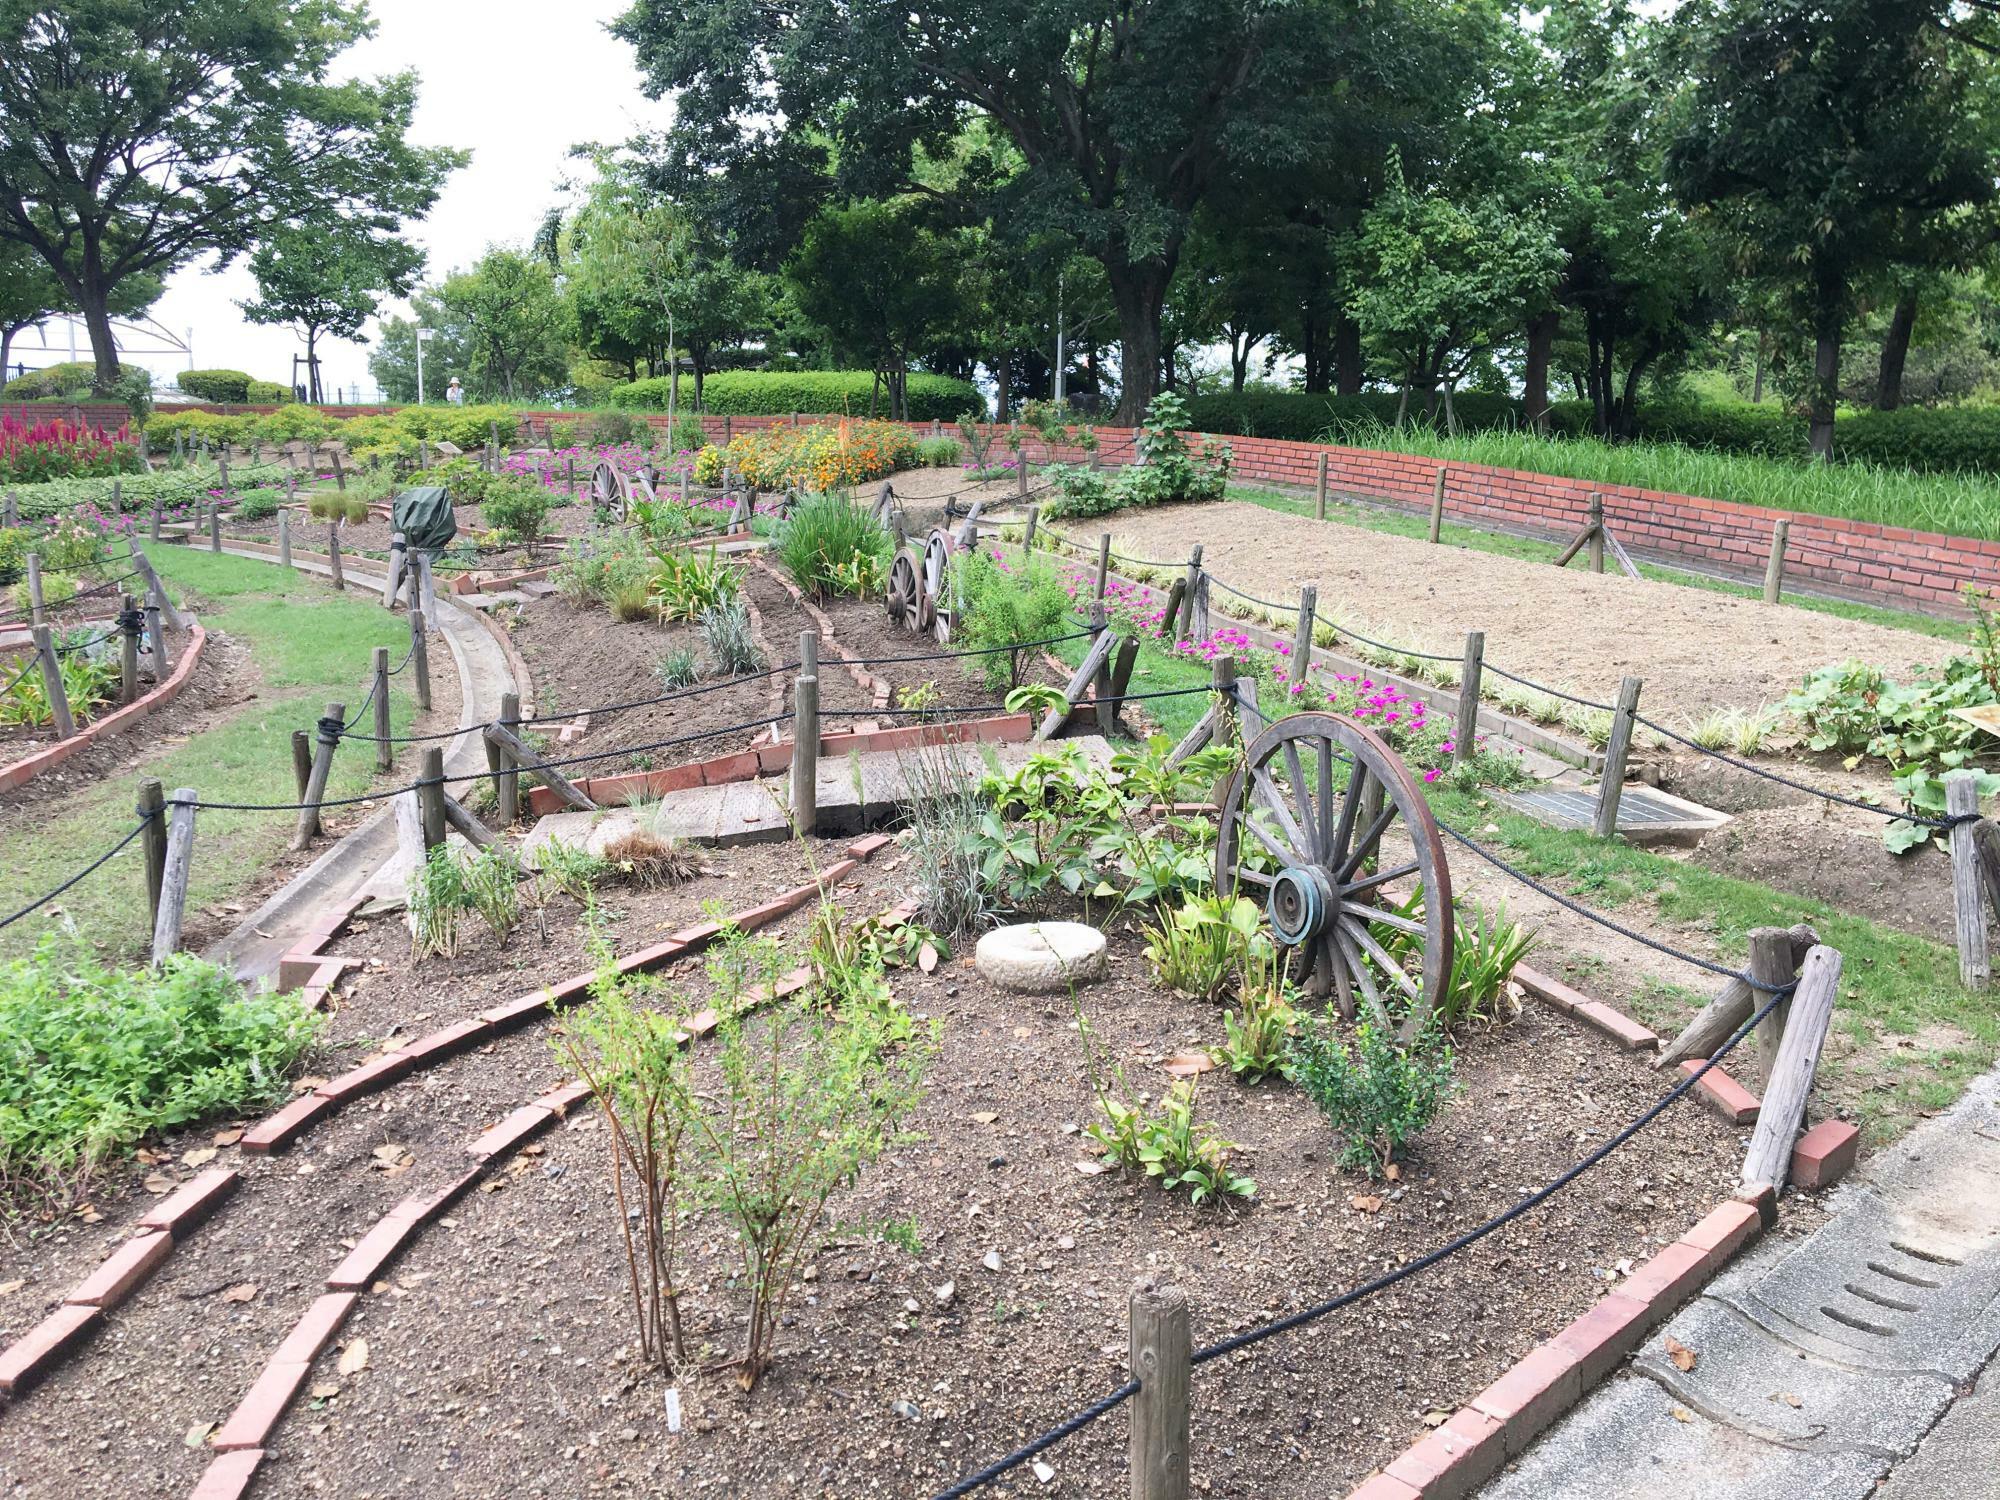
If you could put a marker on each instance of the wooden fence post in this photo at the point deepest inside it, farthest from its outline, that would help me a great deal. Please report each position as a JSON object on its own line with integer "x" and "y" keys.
{"x": 1774, "y": 570}
{"x": 11, "y": 516}
{"x": 430, "y": 795}
{"x": 1772, "y": 966}
{"x": 129, "y": 622}
{"x": 420, "y": 658}
{"x": 506, "y": 777}
{"x": 35, "y": 599}
{"x": 805, "y": 737}
{"x": 1222, "y": 679}
{"x": 383, "y": 757}
{"x": 399, "y": 562}
{"x": 1103, "y": 564}
{"x": 1162, "y": 1354}
{"x": 1193, "y": 586}
{"x": 426, "y": 587}
{"x": 333, "y": 555}
{"x": 727, "y": 423}
{"x": 302, "y": 762}
{"x": 569, "y": 477}
{"x": 1465, "y": 734}
{"x": 1437, "y": 506}
{"x": 285, "y": 538}
{"x": 1596, "y": 542}
{"x": 157, "y": 591}
{"x": 52, "y": 682}
{"x": 1319, "y": 491}
{"x": 156, "y": 636}
{"x": 1784, "y": 1104}
{"x": 174, "y": 867}
{"x": 1737, "y": 1001}
{"x": 512, "y": 745}
{"x": 322, "y": 767}
{"x": 1034, "y": 523}
{"x": 152, "y": 807}
{"x": 154, "y": 532}
{"x": 339, "y": 472}
{"x": 215, "y": 529}
{"x": 222, "y": 470}
{"x": 1612, "y": 786}
{"x": 1302, "y": 639}
{"x": 1975, "y": 964}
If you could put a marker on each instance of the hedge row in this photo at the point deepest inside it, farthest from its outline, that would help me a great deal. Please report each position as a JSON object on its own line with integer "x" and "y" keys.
{"x": 232, "y": 388}
{"x": 776, "y": 393}
{"x": 53, "y": 382}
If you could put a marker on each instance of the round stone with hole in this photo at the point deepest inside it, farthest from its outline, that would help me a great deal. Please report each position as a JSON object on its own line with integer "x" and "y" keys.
{"x": 1039, "y": 958}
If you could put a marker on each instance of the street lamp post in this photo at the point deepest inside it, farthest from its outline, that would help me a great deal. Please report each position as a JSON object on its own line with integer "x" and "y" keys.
{"x": 422, "y": 334}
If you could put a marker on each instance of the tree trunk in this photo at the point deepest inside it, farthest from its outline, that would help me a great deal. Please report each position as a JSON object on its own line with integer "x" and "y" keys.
{"x": 313, "y": 391}
{"x": 1895, "y": 350}
{"x": 1312, "y": 349}
{"x": 1003, "y": 375}
{"x": 1240, "y": 345}
{"x": 7, "y": 347}
{"x": 696, "y": 358}
{"x": 1347, "y": 366}
{"x": 1828, "y": 327}
{"x": 95, "y": 305}
{"x": 1139, "y": 292}
{"x": 1535, "y": 379}
{"x": 1757, "y": 380}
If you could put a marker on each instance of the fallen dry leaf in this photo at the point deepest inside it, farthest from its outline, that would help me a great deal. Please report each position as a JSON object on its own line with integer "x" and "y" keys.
{"x": 200, "y": 1158}
{"x": 1368, "y": 1203}
{"x": 985, "y": 1116}
{"x": 89, "y": 1214}
{"x": 1682, "y": 1414}
{"x": 1789, "y": 1399}
{"x": 158, "y": 1182}
{"x": 1093, "y": 1168}
{"x": 1436, "y": 1418}
{"x": 325, "y": 1390}
{"x": 927, "y": 958}
{"x": 1682, "y": 1356}
{"x": 492, "y": 1185}
{"x": 196, "y": 1435}
{"x": 243, "y": 1291}
{"x": 1393, "y": 1172}
{"x": 8, "y": 1288}
{"x": 354, "y": 1358}
{"x": 1188, "y": 1064}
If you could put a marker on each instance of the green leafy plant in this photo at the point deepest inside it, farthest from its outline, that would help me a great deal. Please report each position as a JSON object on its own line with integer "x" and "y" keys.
{"x": 686, "y": 584}
{"x": 1257, "y": 1034}
{"x": 568, "y": 869}
{"x": 1168, "y": 471}
{"x": 830, "y": 545}
{"x": 1204, "y": 948}
{"x": 1375, "y": 1095}
{"x": 99, "y": 1058}
{"x": 439, "y": 900}
{"x": 629, "y": 599}
{"x": 731, "y": 639}
{"x": 493, "y": 889}
{"x": 938, "y": 452}
{"x": 517, "y": 508}
{"x": 1484, "y": 954}
{"x": 678, "y": 668}
{"x": 943, "y": 819}
{"x": 1041, "y": 824}
{"x": 1002, "y": 603}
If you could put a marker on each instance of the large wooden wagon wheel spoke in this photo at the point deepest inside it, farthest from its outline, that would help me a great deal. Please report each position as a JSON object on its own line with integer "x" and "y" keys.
{"x": 903, "y": 591}
{"x": 936, "y": 571}
{"x": 1320, "y": 797}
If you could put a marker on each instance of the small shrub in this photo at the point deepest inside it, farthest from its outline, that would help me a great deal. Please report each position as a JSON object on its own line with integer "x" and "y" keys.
{"x": 258, "y": 505}
{"x": 678, "y": 668}
{"x": 687, "y": 434}
{"x": 517, "y": 509}
{"x": 1374, "y": 1094}
{"x": 939, "y": 452}
{"x": 831, "y": 546}
{"x": 609, "y": 429}
{"x": 1002, "y": 603}
{"x": 776, "y": 393}
{"x": 224, "y": 387}
{"x": 731, "y": 640}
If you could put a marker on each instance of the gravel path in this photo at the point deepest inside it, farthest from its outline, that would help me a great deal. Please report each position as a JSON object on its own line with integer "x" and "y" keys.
{"x": 1697, "y": 651}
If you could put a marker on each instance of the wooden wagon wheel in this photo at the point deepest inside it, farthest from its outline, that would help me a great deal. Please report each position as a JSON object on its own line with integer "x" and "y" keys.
{"x": 1302, "y": 828}
{"x": 935, "y": 577}
{"x": 604, "y": 486}
{"x": 904, "y": 590}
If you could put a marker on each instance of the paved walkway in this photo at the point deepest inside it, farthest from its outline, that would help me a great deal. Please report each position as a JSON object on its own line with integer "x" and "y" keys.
{"x": 1821, "y": 1365}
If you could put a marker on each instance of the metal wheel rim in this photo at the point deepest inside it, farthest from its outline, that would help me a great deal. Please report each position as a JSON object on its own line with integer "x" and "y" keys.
{"x": 1326, "y": 843}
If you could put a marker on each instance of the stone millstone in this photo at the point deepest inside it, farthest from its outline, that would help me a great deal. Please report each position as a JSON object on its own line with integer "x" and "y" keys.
{"x": 1037, "y": 958}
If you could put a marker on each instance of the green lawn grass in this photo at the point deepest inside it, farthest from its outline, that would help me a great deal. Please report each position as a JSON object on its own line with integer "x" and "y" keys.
{"x": 306, "y": 645}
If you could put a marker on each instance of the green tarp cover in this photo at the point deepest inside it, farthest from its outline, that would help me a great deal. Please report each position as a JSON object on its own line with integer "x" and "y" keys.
{"x": 424, "y": 517}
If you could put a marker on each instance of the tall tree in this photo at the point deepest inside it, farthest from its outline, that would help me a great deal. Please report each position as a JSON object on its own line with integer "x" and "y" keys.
{"x": 513, "y": 325}
{"x": 1128, "y": 117}
{"x": 136, "y": 137}
{"x": 1816, "y": 129}
{"x": 30, "y": 294}
{"x": 329, "y": 281}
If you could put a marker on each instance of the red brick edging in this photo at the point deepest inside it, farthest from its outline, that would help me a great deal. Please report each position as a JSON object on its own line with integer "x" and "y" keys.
{"x": 116, "y": 722}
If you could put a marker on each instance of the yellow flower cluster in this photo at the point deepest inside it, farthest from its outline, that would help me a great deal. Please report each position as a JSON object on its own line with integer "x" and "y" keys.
{"x": 824, "y": 456}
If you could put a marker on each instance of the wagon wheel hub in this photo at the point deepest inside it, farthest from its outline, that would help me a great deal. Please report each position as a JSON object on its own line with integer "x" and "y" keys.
{"x": 1297, "y": 907}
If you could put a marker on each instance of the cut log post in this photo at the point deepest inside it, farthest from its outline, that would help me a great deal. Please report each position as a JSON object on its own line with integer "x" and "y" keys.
{"x": 1122, "y": 663}
{"x": 1302, "y": 639}
{"x": 327, "y": 740}
{"x": 130, "y": 622}
{"x": 215, "y": 529}
{"x": 1021, "y": 478}
{"x": 1229, "y": 722}
{"x": 302, "y": 763}
{"x": 1176, "y": 596}
{"x": 1783, "y": 1108}
{"x": 156, "y": 591}
{"x": 684, "y": 486}
{"x": 1465, "y": 734}
{"x": 1774, "y": 570}
{"x": 1612, "y": 786}
{"x": 548, "y": 775}
{"x": 1437, "y": 505}
{"x": 426, "y": 584}
{"x": 36, "y": 603}
{"x": 569, "y": 479}
{"x": 1100, "y": 686}
{"x": 174, "y": 868}
{"x": 805, "y": 737}
{"x": 285, "y": 538}
{"x": 1736, "y": 1002}
{"x": 1319, "y": 491}
{"x": 1772, "y": 967}
{"x": 1162, "y": 1352}
{"x": 475, "y": 832}
{"x": 1193, "y": 581}
{"x": 152, "y": 807}
{"x": 420, "y": 659}
{"x": 506, "y": 776}
{"x": 399, "y": 562}
{"x": 339, "y": 472}
{"x": 384, "y": 755}
{"x": 430, "y": 795}
{"x": 1625, "y": 564}
{"x": 52, "y": 682}
{"x": 1028, "y": 533}
{"x": 12, "y": 515}
{"x": 1093, "y": 662}
{"x": 1596, "y": 540}
{"x": 423, "y": 453}
{"x": 1575, "y": 546}
{"x": 1197, "y": 738}
{"x": 1103, "y": 565}
{"x": 1986, "y": 843}
{"x": 727, "y": 423}
{"x": 156, "y": 639}
{"x": 333, "y": 554}
{"x": 1975, "y": 964}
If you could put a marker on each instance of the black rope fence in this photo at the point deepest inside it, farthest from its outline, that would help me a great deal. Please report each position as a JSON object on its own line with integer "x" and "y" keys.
{"x": 90, "y": 869}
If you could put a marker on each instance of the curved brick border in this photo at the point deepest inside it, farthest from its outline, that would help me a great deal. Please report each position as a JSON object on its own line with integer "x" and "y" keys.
{"x": 116, "y": 722}
{"x": 239, "y": 1442}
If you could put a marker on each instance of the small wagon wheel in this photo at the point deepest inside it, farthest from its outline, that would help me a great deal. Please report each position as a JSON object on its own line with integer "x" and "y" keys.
{"x": 935, "y": 576}
{"x": 604, "y": 486}
{"x": 904, "y": 590}
{"x": 1302, "y": 829}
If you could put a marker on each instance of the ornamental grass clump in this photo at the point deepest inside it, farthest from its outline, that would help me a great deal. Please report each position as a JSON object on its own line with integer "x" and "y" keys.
{"x": 831, "y": 546}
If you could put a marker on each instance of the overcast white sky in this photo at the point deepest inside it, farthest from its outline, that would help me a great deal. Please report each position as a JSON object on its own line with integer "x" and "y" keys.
{"x": 517, "y": 82}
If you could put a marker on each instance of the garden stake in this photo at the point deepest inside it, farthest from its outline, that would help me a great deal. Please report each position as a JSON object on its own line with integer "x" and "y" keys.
{"x": 1772, "y": 966}
{"x": 52, "y": 682}
{"x": 333, "y": 555}
{"x": 506, "y": 780}
{"x": 152, "y": 807}
{"x": 381, "y": 700}
{"x": 34, "y": 588}
{"x": 1596, "y": 544}
{"x": 1302, "y": 640}
{"x": 174, "y": 868}
{"x": 1466, "y": 733}
{"x": 339, "y": 473}
{"x": 1103, "y": 564}
{"x": 420, "y": 657}
{"x": 1437, "y": 508}
{"x": 156, "y": 633}
{"x": 430, "y": 795}
{"x": 1319, "y": 492}
{"x": 1783, "y": 1107}
{"x": 1975, "y": 967}
{"x": 1162, "y": 1363}
{"x": 302, "y": 762}
{"x": 1027, "y": 536}
{"x": 805, "y": 737}
{"x": 1612, "y": 786}
{"x": 284, "y": 538}
{"x": 215, "y": 529}
{"x": 129, "y": 620}
{"x": 1774, "y": 570}
{"x": 322, "y": 767}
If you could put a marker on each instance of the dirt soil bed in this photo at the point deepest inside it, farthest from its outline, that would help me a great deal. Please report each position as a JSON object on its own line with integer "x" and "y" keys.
{"x": 499, "y": 1345}
{"x": 1696, "y": 651}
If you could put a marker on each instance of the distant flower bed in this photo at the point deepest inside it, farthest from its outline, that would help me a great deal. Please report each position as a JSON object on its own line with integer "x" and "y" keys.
{"x": 823, "y": 456}
{"x": 59, "y": 449}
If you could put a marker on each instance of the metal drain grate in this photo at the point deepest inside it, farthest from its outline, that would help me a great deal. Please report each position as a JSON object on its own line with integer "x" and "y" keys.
{"x": 1645, "y": 814}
